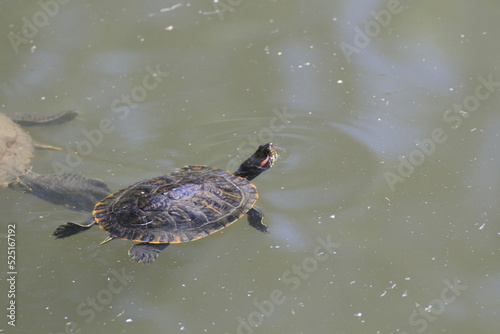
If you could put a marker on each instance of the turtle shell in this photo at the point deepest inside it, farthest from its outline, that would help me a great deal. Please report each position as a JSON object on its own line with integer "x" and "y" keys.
{"x": 16, "y": 151}
{"x": 185, "y": 205}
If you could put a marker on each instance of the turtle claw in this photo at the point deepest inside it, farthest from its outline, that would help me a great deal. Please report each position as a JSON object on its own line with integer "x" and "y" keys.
{"x": 146, "y": 252}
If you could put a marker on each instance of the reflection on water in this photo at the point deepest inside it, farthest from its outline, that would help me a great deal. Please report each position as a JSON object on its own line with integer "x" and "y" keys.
{"x": 362, "y": 164}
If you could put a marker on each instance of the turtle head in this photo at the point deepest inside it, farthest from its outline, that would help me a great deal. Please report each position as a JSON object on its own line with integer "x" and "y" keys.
{"x": 260, "y": 161}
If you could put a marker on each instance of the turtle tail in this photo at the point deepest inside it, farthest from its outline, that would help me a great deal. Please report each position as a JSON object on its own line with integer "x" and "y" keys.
{"x": 69, "y": 229}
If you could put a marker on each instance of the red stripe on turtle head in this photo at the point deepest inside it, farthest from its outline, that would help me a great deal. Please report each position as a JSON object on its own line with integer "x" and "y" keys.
{"x": 264, "y": 162}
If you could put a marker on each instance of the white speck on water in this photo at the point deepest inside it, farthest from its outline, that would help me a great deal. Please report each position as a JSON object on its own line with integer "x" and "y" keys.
{"x": 170, "y": 8}
{"x": 405, "y": 294}
{"x": 129, "y": 320}
{"x": 464, "y": 114}
{"x": 359, "y": 314}
{"x": 332, "y": 216}
{"x": 482, "y": 226}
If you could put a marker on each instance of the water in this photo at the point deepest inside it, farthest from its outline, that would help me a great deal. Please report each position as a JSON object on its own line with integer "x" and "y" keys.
{"x": 382, "y": 206}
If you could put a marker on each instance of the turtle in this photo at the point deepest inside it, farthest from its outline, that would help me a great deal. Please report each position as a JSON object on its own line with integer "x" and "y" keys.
{"x": 74, "y": 191}
{"x": 184, "y": 205}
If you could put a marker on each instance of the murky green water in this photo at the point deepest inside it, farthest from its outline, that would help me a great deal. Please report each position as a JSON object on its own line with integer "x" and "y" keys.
{"x": 383, "y": 205}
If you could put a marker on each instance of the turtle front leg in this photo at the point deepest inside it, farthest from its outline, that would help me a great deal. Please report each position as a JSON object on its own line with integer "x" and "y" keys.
{"x": 256, "y": 220}
{"x": 146, "y": 252}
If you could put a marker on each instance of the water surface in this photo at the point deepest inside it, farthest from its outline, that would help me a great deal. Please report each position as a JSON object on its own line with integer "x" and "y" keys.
{"x": 382, "y": 206}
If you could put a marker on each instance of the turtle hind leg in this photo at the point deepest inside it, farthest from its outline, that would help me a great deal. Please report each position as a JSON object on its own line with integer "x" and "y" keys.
{"x": 146, "y": 252}
{"x": 69, "y": 229}
{"x": 256, "y": 220}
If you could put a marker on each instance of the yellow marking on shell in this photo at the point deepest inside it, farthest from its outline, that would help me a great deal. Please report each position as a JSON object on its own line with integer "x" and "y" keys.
{"x": 211, "y": 207}
{"x": 177, "y": 240}
{"x": 194, "y": 167}
{"x": 98, "y": 211}
{"x": 157, "y": 240}
{"x": 228, "y": 194}
{"x": 205, "y": 235}
{"x": 100, "y": 226}
{"x": 95, "y": 212}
